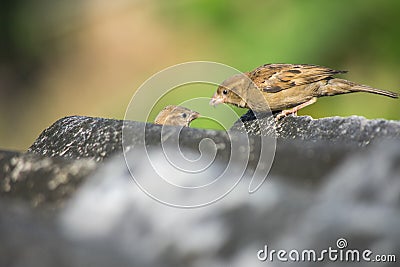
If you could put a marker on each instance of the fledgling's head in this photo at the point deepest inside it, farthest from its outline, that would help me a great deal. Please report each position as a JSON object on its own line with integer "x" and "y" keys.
{"x": 176, "y": 115}
{"x": 232, "y": 91}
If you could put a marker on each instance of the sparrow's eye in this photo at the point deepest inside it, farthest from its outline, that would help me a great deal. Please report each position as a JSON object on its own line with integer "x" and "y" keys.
{"x": 184, "y": 115}
{"x": 225, "y": 92}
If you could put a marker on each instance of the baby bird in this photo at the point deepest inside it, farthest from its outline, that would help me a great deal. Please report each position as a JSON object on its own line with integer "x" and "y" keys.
{"x": 176, "y": 115}
{"x": 286, "y": 87}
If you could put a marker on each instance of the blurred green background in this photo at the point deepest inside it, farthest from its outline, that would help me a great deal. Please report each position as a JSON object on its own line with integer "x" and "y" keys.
{"x": 61, "y": 58}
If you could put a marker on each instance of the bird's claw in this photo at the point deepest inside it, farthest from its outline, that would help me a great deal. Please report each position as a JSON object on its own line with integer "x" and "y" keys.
{"x": 284, "y": 113}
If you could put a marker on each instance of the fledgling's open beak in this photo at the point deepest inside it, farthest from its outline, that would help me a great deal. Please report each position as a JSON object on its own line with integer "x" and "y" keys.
{"x": 216, "y": 99}
{"x": 194, "y": 115}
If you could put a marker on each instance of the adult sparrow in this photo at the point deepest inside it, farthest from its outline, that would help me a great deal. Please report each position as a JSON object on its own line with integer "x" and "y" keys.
{"x": 286, "y": 87}
{"x": 176, "y": 115}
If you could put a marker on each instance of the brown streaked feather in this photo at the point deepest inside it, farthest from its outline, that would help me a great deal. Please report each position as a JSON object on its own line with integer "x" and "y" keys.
{"x": 272, "y": 78}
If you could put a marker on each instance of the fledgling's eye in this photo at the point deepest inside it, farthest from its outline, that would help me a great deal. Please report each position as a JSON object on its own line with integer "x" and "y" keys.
{"x": 184, "y": 115}
{"x": 225, "y": 92}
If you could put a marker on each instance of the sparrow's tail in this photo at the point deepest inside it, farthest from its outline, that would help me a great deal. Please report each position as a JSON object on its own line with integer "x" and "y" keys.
{"x": 340, "y": 86}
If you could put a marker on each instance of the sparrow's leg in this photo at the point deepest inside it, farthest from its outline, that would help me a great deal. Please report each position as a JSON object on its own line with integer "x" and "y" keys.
{"x": 294, "y": 110}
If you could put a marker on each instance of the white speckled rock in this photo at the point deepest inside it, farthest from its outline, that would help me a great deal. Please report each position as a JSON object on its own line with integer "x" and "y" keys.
{"x": 351, "y": 130}
{"x": 331, "y": 178}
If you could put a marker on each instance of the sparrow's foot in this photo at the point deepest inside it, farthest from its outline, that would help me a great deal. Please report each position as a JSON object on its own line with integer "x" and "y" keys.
{"x": 284, "y": 113}
{"x": 294, "y": 110}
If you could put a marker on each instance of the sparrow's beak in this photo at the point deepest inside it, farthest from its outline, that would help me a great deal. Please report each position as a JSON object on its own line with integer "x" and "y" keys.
{"x": 216, "y": 99}
{"x": 194, "y": 116}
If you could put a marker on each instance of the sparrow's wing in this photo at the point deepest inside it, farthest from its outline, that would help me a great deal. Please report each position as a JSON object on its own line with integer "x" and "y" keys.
{"x": 272, "y": 78}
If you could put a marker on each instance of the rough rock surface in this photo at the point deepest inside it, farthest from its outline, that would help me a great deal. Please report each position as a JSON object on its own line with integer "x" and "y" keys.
{"x": 357, "y": 199}
{"x": 29, "y": 238}
{"x": 97, "y": 138}
{"x": 354, "y": 129}
{"x": 86, "y": 137}
{"x": 80, "y": 137}
{"x": 320, "y": 188}
{"x": 41, "y": 181}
